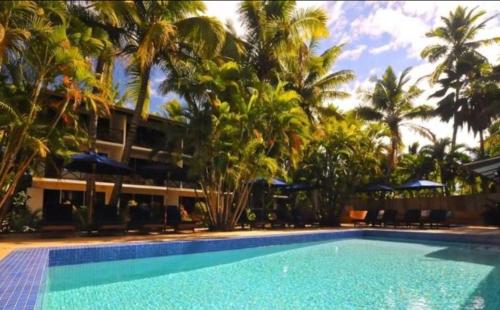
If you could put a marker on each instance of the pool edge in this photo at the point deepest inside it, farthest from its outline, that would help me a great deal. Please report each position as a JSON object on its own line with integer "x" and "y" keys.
{"x": 22, "y": 285}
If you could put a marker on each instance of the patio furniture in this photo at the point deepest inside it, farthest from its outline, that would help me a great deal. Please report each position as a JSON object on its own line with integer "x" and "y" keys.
{"x": 304, "y": 219}
{"x": 93, "y": 163}
{"x": 424, "y": 217}
{"x": 376, "y": 217}
{"x": 390, "y": 218}
{"x": 439, "y": 217}
{"x": 174, "y": 220}
{"x": 358, "y": 216}
{"x": 282, "y": 218}
{"x": 412, "y": 217}
{"x": 145, "y": 219}
{"x": 108, "y": 220}
{"x": 57, "y": 219}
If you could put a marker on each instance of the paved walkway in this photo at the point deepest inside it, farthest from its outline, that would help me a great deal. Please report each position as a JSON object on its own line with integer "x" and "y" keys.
{"x": 9, "y": 243}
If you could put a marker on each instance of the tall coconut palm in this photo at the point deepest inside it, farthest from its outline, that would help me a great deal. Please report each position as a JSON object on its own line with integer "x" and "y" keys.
{"x": 311, "y": 76}
{"x": 392, "y": 103}
{"x": 274, "y": 28}
{"x": 99, "y": 22}
{"x": 458, "y": 48}
{"x": 446, "y": 161}
{"x": 162, "y": 28}
{"x": 482, "y": 102}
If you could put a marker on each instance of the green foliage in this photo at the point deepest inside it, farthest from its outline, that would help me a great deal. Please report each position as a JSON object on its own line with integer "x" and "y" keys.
{"x": 392, "y": 103}
{"x": 459, "y": 57}
{"x": 343, "y": 155}
{"x": 21, "y": 218}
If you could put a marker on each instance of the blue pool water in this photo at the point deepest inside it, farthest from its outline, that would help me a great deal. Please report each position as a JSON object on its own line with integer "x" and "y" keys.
{"x": 338, "y": 274}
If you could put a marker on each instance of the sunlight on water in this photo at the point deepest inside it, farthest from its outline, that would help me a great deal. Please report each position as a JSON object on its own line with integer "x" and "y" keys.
{"x": 341, "y": 274}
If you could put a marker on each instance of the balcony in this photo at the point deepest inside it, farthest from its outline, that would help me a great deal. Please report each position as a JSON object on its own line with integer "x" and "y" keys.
{"x": 110, "y": 135}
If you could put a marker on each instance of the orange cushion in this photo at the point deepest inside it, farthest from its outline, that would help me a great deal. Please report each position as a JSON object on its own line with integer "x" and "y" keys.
{"x": 358, "y": 215}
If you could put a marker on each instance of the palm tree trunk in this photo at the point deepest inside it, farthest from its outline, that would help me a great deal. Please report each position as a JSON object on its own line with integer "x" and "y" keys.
{"x": 92, "y": 137}
{"x": 132, "y": 132}
{"x": 455, "y": 121}
{"x": 481, "y": 144}
{"x": 391, "y": 164}
{"x": 454, "y": 136}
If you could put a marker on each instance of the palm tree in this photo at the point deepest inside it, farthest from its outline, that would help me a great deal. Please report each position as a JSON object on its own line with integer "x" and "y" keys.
{"x": 482, "y": 106}
{"x": 457, "y": 52}
{"x": 50, "y": 75}
{"x": 273, "y": 28}
{"x": 446, "y": 161}
{"x": 14, "y": 28}
{"x": 311, "y": 76}
{"x": 391, "y": 103}
{"x": 162, "y": 28}
{"x": 104, "y": 22}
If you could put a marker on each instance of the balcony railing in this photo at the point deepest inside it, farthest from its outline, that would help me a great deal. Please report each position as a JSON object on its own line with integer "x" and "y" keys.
{"x": 111, "y": 135}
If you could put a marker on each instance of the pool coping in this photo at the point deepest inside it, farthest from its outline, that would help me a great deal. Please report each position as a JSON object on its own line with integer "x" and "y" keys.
{"x": 22, "y": 272}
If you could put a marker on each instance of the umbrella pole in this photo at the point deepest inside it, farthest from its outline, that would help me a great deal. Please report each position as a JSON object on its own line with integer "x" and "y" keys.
{"x": 90, "y": 210}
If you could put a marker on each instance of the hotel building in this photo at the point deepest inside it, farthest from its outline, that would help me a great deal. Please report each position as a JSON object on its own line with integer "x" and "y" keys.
{"x": 156, "y": 179}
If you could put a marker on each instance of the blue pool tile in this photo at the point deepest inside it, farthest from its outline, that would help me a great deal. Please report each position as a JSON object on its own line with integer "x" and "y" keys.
{"x": 22, "y": 272}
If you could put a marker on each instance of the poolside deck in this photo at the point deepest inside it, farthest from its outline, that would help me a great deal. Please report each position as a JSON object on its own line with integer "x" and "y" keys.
{"x": 9, "y": 243}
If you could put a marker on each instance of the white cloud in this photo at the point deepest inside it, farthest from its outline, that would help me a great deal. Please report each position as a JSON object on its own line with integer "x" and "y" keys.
{"x": 381, "y": 49}
{"x": 407, "y": 22}
{"x": 354, "y": 53}
{"x": 226, "y": 11}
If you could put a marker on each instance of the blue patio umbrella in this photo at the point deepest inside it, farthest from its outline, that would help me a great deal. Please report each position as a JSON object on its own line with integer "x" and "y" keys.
{"x": 420, "y": 184}
{"x": 90, "y": 162}
{"x": 376, "y": 187}
{"x": 299, "y": 187}
{"x": 93, "y": 163}
{"x": 273, "y": 182}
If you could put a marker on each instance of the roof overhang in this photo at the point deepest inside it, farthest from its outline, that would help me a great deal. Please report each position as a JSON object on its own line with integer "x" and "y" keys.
{"x": 488, "y": 168}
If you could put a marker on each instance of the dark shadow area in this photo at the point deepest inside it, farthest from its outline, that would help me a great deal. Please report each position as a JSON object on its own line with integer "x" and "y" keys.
{"x": 91, "y": 274}
{"x": 487, "y": 293}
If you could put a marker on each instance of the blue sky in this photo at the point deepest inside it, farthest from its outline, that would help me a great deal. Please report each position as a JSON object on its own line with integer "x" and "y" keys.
{"x": 375, "y": 34}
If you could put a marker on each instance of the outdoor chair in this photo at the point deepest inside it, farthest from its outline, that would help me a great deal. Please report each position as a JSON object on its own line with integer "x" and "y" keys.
{"x": 439, "y": 217}
{"x": 58, "y": 219}
{"x": 390, "y": 217}
{"x": 108, "y": 220}
{"x": 145, "y": 219}
{"x": 412, "y": 217}
{"x": 376, "y": 218}
{"x": 424, "y": 217}
{"x": 304, "y": 219}
{"x": 174, "y": 220}
{"x": 358, "y": 216}
{"x": 280, "y": 219}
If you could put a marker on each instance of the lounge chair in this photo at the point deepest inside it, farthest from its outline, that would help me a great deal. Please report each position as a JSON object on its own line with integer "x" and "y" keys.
{"x": 58, "y": 220}
{"x": 303, "y": 219}
{"x": 143, "y": 218}
{"x": 358, "y": 216}
{"x": 439, "y": 217}
{"x": 174, "y": 220}
{"x": 375, "y": 217}
{"x": 424, "y": 217}
{"x": 412, "y": 217}
{"x": 280, "y": 219}
{"x": 390, "y": 217}
{"x": 108, "y": 220}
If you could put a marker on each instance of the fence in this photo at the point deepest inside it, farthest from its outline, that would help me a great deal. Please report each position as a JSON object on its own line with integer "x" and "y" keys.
{"x": 467, "y": 210}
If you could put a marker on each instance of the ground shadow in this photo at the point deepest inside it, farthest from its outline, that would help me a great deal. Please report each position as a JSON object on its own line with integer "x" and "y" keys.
{"x": 486, "y": 295}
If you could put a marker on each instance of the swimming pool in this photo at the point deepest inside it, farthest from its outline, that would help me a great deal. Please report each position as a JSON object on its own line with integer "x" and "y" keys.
{"x": 338, "y": 274}
{"x": 348, "y": 270}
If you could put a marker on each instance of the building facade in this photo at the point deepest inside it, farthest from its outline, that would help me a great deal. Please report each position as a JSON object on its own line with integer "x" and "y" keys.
{"x": 158, "y": 160}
